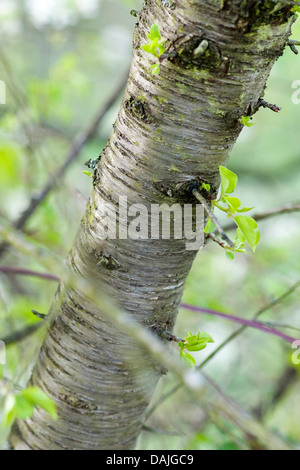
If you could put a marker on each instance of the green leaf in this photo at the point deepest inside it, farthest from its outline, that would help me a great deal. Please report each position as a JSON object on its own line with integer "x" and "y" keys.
{"x": 248, "y": 227}
{"x": 210, "y": 226}
{"x": 37, "y": 397}
{"x": 88, "y": 173}
{"x": 229, "y": 446}
{"x": 8, "y": 411}
{"x": 197, "y": 342}
{"x": 228, "y": 180}
{"x": 24, "y": 408}
{"x": 245, "y": 120}
{"x": 233, "y": 202}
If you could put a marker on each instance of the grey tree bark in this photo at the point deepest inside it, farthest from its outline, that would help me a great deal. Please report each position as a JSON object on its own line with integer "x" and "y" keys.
{"x": 173, "y": 128}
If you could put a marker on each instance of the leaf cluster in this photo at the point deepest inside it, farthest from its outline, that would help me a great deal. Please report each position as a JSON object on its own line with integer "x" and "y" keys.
{"x": 155, "y": 46}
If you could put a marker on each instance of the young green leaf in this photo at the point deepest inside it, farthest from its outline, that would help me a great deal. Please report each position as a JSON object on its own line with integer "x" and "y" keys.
{"x": 248, "y": 227}
{"x": 154, "y": 33}
{"x": 155, "y": 69}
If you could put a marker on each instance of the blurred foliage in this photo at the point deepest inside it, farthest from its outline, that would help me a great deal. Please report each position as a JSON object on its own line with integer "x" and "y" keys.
{"x": 60, "y": 61}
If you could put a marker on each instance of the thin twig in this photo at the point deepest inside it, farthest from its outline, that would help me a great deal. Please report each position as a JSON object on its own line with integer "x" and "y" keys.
{"x": 290, "y": 2}
{"x": 264, "y": 104}
{"x": 292, "y": 44}
{"x": 216, "y": 240}
{"x": 212, "y": 217}
{"x": 153, "y": 430}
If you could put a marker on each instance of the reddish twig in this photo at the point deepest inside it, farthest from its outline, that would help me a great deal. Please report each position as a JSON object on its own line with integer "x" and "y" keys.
{"x": 27, "y": 272}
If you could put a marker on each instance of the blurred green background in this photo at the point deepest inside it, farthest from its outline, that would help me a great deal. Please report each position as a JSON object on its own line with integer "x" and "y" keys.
{"x": 60, "y": 62}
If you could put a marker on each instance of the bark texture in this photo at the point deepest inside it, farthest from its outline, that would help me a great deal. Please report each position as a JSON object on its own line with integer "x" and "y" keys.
{"x": 176, "y": 127}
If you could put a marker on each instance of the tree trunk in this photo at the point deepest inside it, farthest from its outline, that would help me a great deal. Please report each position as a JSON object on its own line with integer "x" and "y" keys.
{"x": 172, "y": 128}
